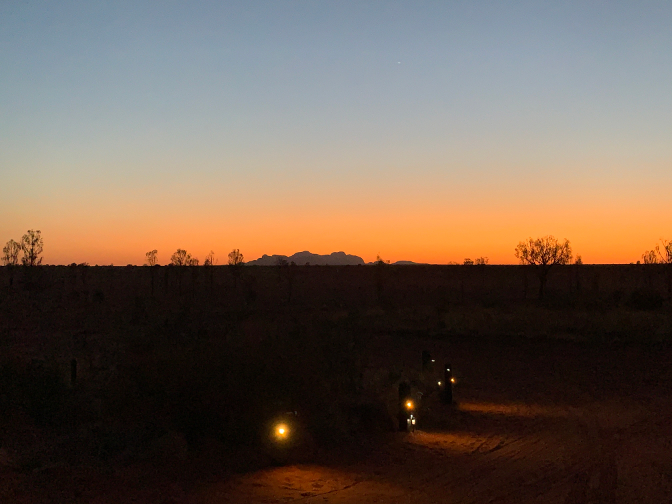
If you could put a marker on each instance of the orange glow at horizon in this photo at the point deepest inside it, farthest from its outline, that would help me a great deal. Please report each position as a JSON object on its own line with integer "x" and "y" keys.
{"x": 401, "y": 218}
{"x": 404, "y": 237}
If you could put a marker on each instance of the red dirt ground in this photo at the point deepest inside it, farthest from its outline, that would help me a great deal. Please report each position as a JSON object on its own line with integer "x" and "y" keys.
{"x": 535, "y": 422}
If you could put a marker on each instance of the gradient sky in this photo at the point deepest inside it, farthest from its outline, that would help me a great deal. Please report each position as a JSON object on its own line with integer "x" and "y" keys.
{"x": 424, "y": 131}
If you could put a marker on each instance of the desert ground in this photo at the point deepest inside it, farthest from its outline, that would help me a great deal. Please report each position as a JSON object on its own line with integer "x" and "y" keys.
{"x": 533, "y": 421}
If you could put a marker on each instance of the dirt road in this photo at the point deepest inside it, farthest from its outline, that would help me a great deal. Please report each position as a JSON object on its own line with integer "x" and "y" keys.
{"x": 508, "y": 454}
{"x": 535, "y": 422}
{"x": 546, "y": 423}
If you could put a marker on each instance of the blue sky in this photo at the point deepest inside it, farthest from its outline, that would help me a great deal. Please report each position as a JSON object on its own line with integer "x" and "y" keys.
{"x": 375, "y": 127}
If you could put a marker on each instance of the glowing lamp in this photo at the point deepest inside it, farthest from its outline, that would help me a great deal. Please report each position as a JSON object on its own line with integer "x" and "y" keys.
{"x": 281, "y": 431}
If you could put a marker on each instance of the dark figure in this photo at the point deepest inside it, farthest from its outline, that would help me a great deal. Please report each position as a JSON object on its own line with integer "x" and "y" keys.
{"x": 427, "y": 362}
{"x": 404, "y": 398}
{"x": 447, "y": 394}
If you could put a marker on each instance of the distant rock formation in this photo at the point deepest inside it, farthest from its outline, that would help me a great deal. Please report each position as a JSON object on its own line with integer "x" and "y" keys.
{"x": 302, "y": 258}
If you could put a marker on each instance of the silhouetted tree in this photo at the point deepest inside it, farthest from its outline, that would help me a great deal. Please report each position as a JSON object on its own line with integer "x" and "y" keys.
{"x": 468, "y": 262}
{"x": 578, "y": 260}
{"x": 32, "y": 245}
{"x": 10, "y": 253}
{"x": 210, "y": 259}
{"x": 236, "y": 258}
{"x": 481, "y": 261}
{"x": 183, "y": 258}
{"x": 544, "y": 253}
{"x": 151, "y": 257}
{"x": 659, "y": 255}
{"x": 650, "y": 257}
{"x": 666, "y": 253}
{"x": 380, "y": 261}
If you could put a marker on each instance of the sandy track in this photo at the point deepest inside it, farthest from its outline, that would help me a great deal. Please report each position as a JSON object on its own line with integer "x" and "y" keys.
{"x": 575, "y": 427}
{"x": 569, "y": 459}
{"x": 535, "y": 423}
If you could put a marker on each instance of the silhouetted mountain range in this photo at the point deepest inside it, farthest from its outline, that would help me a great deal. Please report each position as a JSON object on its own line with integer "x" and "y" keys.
{"x": 302, "y": 258}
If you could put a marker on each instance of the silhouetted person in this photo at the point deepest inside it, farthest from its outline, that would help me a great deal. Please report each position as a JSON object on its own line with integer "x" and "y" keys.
{"x": 404, "y": 395}
{"x": 447, "y": 395}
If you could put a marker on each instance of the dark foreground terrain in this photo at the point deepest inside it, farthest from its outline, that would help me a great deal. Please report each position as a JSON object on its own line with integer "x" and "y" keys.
{"x": 155, "y": 385}
{"x": 534, "y": 421}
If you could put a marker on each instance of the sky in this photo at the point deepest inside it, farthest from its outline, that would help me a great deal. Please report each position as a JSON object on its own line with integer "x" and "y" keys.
{"x": 428, "y": 131}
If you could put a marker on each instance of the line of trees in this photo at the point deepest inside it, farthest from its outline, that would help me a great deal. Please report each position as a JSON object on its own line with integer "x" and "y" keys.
{"x": 543, "y": 253}
{"x": 183, "y": 258}
{"x": 479, "y": 261}
{"x": 31, "y": 245}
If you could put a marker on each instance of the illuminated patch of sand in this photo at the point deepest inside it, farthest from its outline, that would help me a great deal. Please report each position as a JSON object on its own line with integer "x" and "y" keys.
{"x": 456, "y": 443}
{"x": 290, "y": 483}
{"x": 514, "y": 409}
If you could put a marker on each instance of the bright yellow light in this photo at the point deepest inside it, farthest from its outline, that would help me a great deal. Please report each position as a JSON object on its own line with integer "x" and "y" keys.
{"x": 439, "y": 383}
{"x": 452, "y": 380}
{"x": 281, "y": 431}
{"x": 409, "y": 404}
